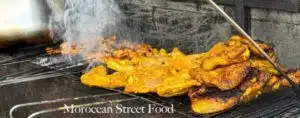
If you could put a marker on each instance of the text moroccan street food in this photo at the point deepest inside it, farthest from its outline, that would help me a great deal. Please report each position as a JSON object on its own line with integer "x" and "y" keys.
{"x": 234, "y": 67}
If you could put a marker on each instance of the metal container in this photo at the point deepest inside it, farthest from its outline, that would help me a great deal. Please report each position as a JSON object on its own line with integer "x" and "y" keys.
{"x": 23, "y": 21}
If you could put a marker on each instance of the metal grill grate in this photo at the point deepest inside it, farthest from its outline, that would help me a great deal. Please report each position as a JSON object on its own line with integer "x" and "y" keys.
{"x": 63, "y": 72}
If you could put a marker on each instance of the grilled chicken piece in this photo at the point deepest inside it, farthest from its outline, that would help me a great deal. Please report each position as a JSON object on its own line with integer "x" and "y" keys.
{"x": 73, "y": 48}
{"x": 175, "y": 85}
{"x": 263, "y": 82}
{"x": 294, "y": 75}
{"x": 212, "y": 104}
{"x": 263, "y": 65}
{"x": 223, "y": 54}
{"x": 225, "y": 78}
{"x": 166, "y": 74}
{"x": 273, "y": 81}
{"x": 144, "y": 80}
{"x": 203, "y": 103}
{"x": 206, "y": 100}
{"x": 238, "y": 40}
{"x": 256, "y": 86}
{"x": 120, "y": 66}
{"x": 163, "y": 81}
{"x": 99, "y": 78}
{"x": 253, "y": 91}
{"x": 276, "y": 82}
{"x": 136, "y": 51}
{"x": 178, "y": 60}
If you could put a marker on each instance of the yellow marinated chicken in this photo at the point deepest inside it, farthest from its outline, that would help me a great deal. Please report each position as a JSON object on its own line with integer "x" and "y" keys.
{"x": 166, "y": 74}
{"x": 144, "y": 80}
{"x": 256, "y": 86}
{"x": 177, "y": 84}
{"x": 136, "y": 51}
{"x": 223, "y": 54}
{"x": 212, "y": 104}
{"x": 295, "y": 77}
{"x": 180, "y": 61}
{"x": 120, "y": 65}
{"x": 232, "y": 66}
{"x": 98, "y": 77}
{"x": 164, "y": 79}
{"x": 204, "y": 101}
{"x": 263, "y": 65}
{"x": 225, "y": 78}
{"x": 253, "y": 91}
{"x": 238, "y": 40}
{"x": 265, "y": 82}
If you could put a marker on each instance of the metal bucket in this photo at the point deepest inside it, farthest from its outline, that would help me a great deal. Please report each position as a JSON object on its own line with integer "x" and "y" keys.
{"x": 24, "y": 22}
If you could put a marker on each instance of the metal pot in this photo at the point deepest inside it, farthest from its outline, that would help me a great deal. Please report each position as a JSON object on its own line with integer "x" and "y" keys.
{"x": 23, "y": 21}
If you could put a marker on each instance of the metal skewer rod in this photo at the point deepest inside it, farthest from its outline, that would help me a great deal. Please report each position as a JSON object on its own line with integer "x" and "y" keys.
{"x": 238, "y": 28}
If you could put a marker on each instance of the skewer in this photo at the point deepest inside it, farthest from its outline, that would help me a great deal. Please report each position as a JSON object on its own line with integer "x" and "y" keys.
{"x": 265, "y": 55}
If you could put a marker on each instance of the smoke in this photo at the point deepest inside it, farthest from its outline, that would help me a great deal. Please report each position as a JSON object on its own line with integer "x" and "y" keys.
{"x": 85, "y": 22}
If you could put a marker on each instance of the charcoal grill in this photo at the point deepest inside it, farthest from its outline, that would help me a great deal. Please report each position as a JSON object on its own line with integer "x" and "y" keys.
{"x": 45, "y": 89}
{"x": 35, "y": 84}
